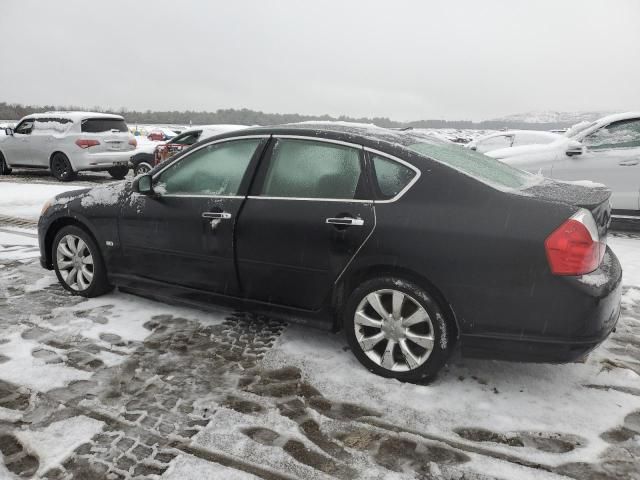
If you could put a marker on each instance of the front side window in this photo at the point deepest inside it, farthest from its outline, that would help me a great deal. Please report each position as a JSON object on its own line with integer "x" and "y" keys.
{"x": 310, "y": 169}
{"x": 216, "y": 169}
{"x": 623, "y": 134}
{"x": 392, "y": 177}
{"x": 25, "y": 127}
{"x": 186, "y": 138}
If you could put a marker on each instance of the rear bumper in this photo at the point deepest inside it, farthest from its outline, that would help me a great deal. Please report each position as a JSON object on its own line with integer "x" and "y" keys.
{"x": 587, "y": 310}
{"x": 101, "y": 161}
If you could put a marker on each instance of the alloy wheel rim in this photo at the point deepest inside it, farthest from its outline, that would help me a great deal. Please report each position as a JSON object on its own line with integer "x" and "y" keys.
{"x": 394, "y": 330}
{"x": 75, "y": 262}
{"x": 60, "y": 167}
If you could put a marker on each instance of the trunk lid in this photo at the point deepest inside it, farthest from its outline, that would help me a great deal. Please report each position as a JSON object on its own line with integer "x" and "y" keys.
{"x": 590, "y": 196}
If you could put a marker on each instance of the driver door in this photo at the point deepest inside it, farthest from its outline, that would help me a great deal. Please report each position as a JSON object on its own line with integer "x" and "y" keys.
{"x": 612, "y": 157}
{"x": 17, "y": 148}
{"x": 183, "y": 234}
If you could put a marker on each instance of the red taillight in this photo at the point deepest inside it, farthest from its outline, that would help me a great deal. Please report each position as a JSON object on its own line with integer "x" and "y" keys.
{"x": 574, "y": 248}
{"x": 87, "y": 143}
{"x": 133, "y": 142}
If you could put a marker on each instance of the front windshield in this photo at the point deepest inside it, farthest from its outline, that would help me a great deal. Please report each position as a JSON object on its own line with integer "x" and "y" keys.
{"x": 476, "y": 165}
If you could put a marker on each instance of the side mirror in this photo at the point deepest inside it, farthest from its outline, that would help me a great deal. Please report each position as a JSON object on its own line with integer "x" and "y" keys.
{"x": 8, "y": 132}
{"x": 143, "y": 185}
{"x": 574, "y": 148}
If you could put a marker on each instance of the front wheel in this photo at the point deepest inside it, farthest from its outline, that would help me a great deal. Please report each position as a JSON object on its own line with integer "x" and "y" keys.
{"x": 61, "y": 167}
{"x": 397, "y": 329}
{"x": 142, "y": 168}
{"x": 78, "y": 263}
{"x": 118, "y": 172}
{"x": 4, "y": 168}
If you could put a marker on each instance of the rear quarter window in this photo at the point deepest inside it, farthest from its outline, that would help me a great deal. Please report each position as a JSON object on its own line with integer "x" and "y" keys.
{"x": 485, "y": 169}
{"x": 391, "y": 177}
{"x": 99, "y": 125}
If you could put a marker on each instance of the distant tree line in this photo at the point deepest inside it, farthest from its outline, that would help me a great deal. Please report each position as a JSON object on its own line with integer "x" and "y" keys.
{"x": 244, "y": 116}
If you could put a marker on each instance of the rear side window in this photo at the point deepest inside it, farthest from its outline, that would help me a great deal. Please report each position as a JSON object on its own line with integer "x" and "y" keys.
{"x": 309, "y": 169}
{"x": 52, "y": 124}
{"x": 216, "y": 169}
{"x": 392, "y": 177}
{"x": 99, "y": 125}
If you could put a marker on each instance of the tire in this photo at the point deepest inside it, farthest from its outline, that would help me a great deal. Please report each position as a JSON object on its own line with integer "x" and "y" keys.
{"x": 118, "y": 172}
{"x": 369, "y": 336}
{"x": 4, "y": 168}
{"x": 142, "y": 168}
{"x": 87, "y": 257}
{"x": 61, "y": 167}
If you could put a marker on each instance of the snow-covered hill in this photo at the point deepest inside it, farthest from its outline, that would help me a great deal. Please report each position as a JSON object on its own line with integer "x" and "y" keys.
{"x": 550, "y": 116}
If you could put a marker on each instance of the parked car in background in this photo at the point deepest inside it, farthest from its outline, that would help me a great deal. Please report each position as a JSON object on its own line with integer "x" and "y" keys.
{"x": 606, "y": 151}
{"x": 408, "y": 244}
{"x": 161, "y": 134}
{"x": 145, "y": 160}
{"x": 512, "y": 138}
{"x": 68, "y": 142}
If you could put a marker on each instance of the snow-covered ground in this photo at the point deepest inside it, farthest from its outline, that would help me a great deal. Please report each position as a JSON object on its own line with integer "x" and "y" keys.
{"x": 125, "y": 385}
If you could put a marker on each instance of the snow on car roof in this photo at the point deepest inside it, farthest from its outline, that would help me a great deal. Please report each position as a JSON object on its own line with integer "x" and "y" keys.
{"x": 616, "y": 117}
{"x": 75, "y": 116}
{"x": 368, "y": 131}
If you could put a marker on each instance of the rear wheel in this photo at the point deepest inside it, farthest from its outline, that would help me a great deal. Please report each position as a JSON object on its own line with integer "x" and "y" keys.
{"x": 4, "y": 168}
{"x": 118, "y": 172}
{"x": 61, "y": 167}
{"x": 397, "y": 329}
{"x": 78, "y": 263}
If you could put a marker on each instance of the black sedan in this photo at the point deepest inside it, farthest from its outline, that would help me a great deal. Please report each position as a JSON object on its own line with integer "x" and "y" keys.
{"x": 409, "y": 244}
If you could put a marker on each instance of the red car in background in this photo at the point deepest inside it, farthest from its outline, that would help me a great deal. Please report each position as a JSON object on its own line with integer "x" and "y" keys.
{"x": 161, "y": 135}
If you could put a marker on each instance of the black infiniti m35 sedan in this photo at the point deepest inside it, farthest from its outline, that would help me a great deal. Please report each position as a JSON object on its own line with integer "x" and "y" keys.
{"x": 409, "y": 244}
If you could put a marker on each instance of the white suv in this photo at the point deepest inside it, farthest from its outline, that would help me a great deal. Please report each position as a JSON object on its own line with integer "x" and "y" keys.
{"x": 68, "y": 142}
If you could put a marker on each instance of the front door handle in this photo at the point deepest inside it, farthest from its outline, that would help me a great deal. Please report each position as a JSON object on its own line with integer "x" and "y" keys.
{"x": 217, "y": 215}
{"x": 346, "y": 221}
{"x": 628, "y": 163}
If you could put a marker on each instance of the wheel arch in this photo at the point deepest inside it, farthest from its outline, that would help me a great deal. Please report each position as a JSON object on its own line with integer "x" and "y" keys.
{"x": 349, "y": 283}
{"x": 55, "y": 227}
{"x": 62, "y": 153}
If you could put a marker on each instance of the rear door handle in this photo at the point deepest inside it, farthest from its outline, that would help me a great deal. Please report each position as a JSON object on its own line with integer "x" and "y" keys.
{"x": 346, "y": 221}
{"x": 628, "y": 163}
{"x": 217, "y": 215}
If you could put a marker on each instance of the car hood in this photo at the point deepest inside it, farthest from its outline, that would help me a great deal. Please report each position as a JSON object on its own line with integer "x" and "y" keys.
{"x": 109, "y": 194}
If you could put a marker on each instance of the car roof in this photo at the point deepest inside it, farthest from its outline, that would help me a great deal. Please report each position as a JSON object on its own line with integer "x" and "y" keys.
{"x": 616, "y": 117}
{"x": 74, "y": 116}
{"x": 368, "y": 135}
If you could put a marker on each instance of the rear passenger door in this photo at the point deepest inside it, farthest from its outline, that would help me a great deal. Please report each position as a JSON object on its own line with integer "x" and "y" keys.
{"x": 309, "y": 212}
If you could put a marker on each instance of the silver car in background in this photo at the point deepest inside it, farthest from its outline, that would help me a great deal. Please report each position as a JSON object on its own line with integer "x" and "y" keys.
{"x": 606, "y": 151}
{"x": 68, "y": 142}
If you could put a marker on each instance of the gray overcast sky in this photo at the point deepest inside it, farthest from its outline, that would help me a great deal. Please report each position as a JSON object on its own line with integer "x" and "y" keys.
{"x": 407, "y": 60}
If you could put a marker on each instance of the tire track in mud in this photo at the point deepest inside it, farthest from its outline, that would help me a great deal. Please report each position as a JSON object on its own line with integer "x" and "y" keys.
{"x": 151, "y": 405}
